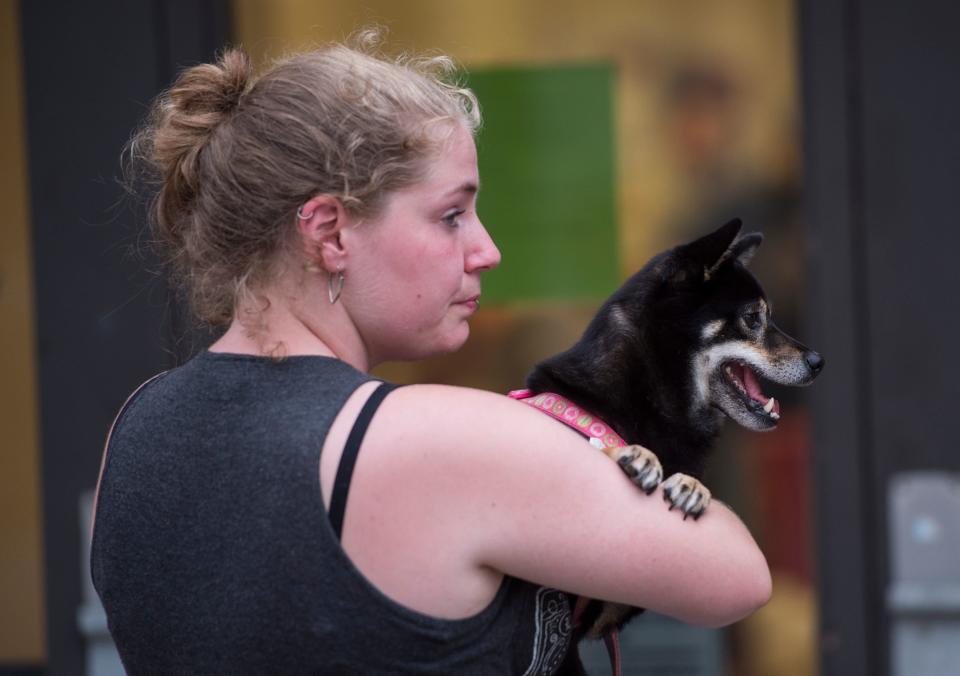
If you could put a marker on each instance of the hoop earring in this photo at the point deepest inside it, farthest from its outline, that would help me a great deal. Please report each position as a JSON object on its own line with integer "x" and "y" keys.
{"x": 334, "y": 279}
{"x": 302, "y": 216}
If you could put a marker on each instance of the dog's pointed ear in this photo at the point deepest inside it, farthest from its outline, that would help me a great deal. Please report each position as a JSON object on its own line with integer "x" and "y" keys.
{"x": 745, "y": 247}
{"x": 710, "y": 249}
{"x": 741, "y": 250}
{"x": 702, "y": 256}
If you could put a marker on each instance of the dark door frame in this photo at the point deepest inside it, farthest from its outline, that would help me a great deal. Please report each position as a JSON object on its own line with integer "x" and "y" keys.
{"x": 104, "y": 324}
{"x": 882, "y": 156}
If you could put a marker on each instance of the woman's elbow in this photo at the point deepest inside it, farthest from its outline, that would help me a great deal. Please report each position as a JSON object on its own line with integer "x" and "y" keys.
{"x": 745, "y": 591}
{"x": 763, "y": 586}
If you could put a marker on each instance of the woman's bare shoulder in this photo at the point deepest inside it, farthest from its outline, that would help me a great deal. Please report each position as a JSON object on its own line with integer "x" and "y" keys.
{"x": 542, "y": 504}
{"x": 487, "y": 431}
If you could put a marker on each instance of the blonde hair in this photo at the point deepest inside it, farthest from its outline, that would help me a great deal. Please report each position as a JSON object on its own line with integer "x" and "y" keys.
{"x": 232, "y": 156}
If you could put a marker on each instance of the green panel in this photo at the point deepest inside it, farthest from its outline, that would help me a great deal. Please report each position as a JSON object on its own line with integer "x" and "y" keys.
{"x": 547, "y": 174}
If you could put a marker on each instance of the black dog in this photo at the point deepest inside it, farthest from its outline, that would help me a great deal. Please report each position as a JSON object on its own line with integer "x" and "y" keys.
{"x": 674, "y": 351}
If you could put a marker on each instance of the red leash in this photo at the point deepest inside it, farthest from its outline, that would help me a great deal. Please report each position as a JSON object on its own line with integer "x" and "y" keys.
{"x": 601, "y": 435}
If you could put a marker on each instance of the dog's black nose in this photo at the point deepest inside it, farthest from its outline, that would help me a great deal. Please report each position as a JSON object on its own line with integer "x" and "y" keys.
{"x": 814, "y": 361}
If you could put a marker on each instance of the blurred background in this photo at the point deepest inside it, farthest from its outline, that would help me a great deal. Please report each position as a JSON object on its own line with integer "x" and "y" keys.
{"x": 612, "y": 129}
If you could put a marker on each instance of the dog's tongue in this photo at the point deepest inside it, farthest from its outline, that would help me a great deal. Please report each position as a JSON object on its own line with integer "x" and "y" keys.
{"x": 752, "y": 386}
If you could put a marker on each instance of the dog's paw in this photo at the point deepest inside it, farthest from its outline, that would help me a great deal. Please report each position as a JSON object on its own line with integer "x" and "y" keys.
{"x": 686, "y": 494}
{"x": 641, "y": 465}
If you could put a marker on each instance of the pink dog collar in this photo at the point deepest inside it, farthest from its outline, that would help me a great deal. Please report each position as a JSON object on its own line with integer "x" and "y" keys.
{"x": 601, "y": 435}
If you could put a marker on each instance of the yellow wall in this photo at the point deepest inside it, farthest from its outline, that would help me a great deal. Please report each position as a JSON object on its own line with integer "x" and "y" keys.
{"x": 21, "y": 573}
{"x": 645, "y": 39}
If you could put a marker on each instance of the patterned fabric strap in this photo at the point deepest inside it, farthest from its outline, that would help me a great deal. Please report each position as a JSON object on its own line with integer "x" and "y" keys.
{"x": 600, "y": 434}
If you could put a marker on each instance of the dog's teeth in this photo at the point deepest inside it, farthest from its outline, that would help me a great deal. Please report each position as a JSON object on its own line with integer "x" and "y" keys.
{"x": 769, "y": 405}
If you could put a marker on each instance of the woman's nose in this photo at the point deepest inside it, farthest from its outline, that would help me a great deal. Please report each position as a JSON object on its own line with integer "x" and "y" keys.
{"x": 483, "y": 253}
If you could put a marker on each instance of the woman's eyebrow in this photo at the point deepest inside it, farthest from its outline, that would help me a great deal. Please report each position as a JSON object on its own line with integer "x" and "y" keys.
{"x": 470, "y": 188}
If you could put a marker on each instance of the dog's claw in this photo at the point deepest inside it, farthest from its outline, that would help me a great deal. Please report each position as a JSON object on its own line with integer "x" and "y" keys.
{"x": 687, "y": 494}
{"x": 641, "y": 465}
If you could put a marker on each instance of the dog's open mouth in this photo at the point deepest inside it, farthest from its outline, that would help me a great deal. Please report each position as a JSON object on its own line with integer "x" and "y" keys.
{"x": 745, "y": 383}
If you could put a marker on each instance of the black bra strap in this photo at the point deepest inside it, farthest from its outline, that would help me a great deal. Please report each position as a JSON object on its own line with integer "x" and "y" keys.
{"x": 338, "y": 501}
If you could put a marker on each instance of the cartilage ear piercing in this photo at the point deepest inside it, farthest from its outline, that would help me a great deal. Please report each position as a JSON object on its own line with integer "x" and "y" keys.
{"x": 302, "y": 216}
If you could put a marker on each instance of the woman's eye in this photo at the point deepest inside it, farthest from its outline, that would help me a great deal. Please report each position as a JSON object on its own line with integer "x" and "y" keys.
{"x": 450, "y": 218}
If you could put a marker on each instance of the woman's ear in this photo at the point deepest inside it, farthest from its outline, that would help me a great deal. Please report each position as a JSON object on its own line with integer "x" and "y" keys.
{"x": 320, "y": 221}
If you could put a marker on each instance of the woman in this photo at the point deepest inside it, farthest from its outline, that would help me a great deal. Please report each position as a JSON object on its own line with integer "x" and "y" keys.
{"x": 326, "y": 214}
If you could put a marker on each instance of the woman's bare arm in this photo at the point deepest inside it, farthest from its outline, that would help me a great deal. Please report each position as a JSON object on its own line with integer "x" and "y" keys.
{"x": 453, "y": 484}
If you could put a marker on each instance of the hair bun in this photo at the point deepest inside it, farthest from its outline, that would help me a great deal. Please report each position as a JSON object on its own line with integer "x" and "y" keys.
{"x": 182, "y": 123}
{"x": 199, "y": 101}
{"x": 212, "y": 88}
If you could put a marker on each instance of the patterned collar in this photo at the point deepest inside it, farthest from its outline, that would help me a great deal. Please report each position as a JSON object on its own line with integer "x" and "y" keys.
{"x": 600, "y": 434}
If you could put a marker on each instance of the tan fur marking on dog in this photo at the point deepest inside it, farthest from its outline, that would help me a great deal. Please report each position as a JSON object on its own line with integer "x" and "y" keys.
{"x": 712, "y": 329}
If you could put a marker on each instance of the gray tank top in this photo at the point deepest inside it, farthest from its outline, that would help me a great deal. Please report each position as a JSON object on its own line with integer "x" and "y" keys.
{"x": 213, "y": 553}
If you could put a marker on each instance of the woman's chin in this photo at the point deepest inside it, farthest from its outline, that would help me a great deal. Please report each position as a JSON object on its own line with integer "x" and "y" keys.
{"x": 450, "y": 338}
{"x": 441, "y": 343}
{"x": 455, "y": 339}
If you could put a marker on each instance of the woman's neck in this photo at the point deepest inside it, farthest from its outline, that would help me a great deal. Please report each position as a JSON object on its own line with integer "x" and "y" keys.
{"x": 280, "y": 330}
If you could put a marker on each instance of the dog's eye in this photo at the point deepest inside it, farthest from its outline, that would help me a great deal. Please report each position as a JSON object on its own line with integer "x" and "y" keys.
{"x": 752, "y": 320}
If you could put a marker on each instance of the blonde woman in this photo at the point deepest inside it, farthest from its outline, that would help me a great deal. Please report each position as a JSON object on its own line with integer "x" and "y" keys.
{"x": 324, "y": 213}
